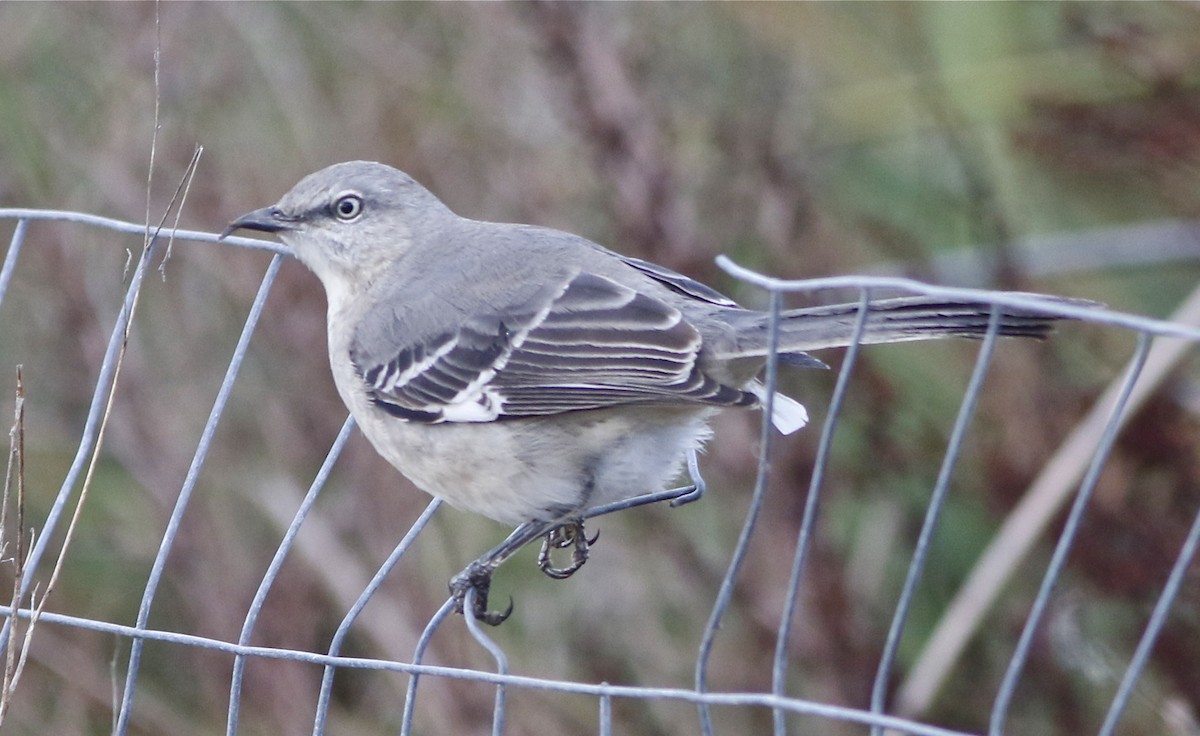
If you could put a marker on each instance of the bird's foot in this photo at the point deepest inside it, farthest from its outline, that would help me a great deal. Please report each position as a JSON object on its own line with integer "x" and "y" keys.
{"x": 478, "y": 577}
{"x": 570, "y": 534}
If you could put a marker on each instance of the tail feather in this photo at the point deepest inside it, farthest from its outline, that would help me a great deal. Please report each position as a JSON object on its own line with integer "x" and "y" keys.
{"x": 889, "y": 320}
{"x": 895, "y": 320}
{"x": 787, "y": 414}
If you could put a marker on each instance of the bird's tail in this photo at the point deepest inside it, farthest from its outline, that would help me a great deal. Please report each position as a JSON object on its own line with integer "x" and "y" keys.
{"x": 889, "y": 320}
{"x": 895, "y": 320}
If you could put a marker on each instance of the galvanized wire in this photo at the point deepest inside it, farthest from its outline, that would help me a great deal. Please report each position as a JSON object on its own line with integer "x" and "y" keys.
{"x": 1153, "y": 628}
{"x": 725, "y": 592}
{"x": 874, "y": 715}
{"x": 1054, "y": 570}
{"x": 10, "y": 257}
{"x": 343, "y": 630}
{"x": 189, "y": 486}
{"x": 285, "y": 546}
{"x": 95, "y": 413}
{"x": 936, "y": 501}
{"x": 809, "y": 518}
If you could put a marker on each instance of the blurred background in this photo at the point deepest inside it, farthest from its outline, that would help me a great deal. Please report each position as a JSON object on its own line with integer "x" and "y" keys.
{"x": 1036, "y": 146}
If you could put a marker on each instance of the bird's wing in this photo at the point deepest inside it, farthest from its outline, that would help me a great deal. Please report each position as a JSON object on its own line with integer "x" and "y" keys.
{"x": 678, "y": 282}
{"x": 589, "y": 344}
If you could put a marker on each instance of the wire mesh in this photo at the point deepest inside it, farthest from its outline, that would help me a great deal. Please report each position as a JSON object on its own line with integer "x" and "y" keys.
{"x": 879, "y": 715}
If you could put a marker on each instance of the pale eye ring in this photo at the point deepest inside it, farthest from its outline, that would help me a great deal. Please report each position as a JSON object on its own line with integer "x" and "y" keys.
{"x": 348, "y": 207}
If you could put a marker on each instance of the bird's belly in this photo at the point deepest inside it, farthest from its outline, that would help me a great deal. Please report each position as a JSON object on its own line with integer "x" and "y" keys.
{"x": 540, "y": 468}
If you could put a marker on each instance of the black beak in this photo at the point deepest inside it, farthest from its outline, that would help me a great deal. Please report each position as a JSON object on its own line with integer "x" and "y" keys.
{"x": 267, "y": 220}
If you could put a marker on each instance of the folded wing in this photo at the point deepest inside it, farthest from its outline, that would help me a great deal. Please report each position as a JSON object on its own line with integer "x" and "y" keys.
{"x": 590, "y": 344}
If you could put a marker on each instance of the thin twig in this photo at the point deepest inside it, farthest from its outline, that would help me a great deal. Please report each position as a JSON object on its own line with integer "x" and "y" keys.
{"x": 176, "y": 203}
{"x": 181, "y": 193}
{"x": 16, "y": 462}
{"x": 157, "y": 123}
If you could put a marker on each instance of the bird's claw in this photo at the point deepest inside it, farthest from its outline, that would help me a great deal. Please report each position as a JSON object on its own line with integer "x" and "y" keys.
{"x": 570, "y": 534}
{"x": 477, "y": 577}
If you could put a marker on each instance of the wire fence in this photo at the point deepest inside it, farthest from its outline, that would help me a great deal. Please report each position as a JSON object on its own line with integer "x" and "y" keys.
{"x": 1075, "y": 471}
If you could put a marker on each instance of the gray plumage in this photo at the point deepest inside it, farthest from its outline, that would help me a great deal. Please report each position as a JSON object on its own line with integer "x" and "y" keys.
{"x": 530, "y": 374}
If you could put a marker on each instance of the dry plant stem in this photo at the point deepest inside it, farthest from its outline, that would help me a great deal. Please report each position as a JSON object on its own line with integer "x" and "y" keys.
{"x": 39, "y": 606}
{"x": 180, "y": 196}
{"x": 1039, "y": 505}
{"x": 152, "y": 237}
{"x": 157, "y": 124}
{"x": 16, "y": 461}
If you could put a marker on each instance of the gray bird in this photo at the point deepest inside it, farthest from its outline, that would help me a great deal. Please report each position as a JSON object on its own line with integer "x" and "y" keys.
{"x": 531, "y": 375}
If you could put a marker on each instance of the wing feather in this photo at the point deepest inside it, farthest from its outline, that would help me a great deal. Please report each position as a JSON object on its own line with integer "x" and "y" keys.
{"x": 591, "y": 344}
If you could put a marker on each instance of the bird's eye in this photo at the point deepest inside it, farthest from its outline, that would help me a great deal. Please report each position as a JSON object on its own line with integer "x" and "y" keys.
{"x": 348, "y": 207}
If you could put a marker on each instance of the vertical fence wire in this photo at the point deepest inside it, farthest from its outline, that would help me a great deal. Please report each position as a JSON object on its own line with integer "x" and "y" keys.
{"x": 725, "y": 593}
{"x": 605, "y": 714}
{"x": 1008, "y": 685}
{"x": 808, "y": 519}
{"x": 10, "y": 256}
{"x": 498, "y": 655}
{"x": 410, "y": 693}
{"x": 1158, "y": 619}
{"x": 933, "y": 510}
{"x": 268, "y": 580}
{"x": 91, "y": 428}
{"x": 343, "y": 629}
{"x": 185, "y": 493}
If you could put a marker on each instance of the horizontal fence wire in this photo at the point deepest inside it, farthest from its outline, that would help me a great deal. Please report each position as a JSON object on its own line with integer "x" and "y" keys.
{"x": 878, "y": 714}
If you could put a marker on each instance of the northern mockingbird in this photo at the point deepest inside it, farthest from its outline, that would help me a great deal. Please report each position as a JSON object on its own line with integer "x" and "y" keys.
{"x": 531, "y": 375}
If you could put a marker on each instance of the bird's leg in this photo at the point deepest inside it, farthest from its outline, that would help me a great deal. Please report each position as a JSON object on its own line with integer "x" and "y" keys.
{"x": 478, "y": 575}
{"x": 558, "y": 535}
{"x": 676, "y": 496}
{"x": 571, "y": 534}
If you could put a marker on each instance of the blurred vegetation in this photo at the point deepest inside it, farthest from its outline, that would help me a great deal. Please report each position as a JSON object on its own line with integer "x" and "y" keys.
{"x": 801, "y": 139}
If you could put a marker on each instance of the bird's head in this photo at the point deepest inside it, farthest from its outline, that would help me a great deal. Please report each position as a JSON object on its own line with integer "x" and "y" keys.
{"x": 348, "y": 222}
